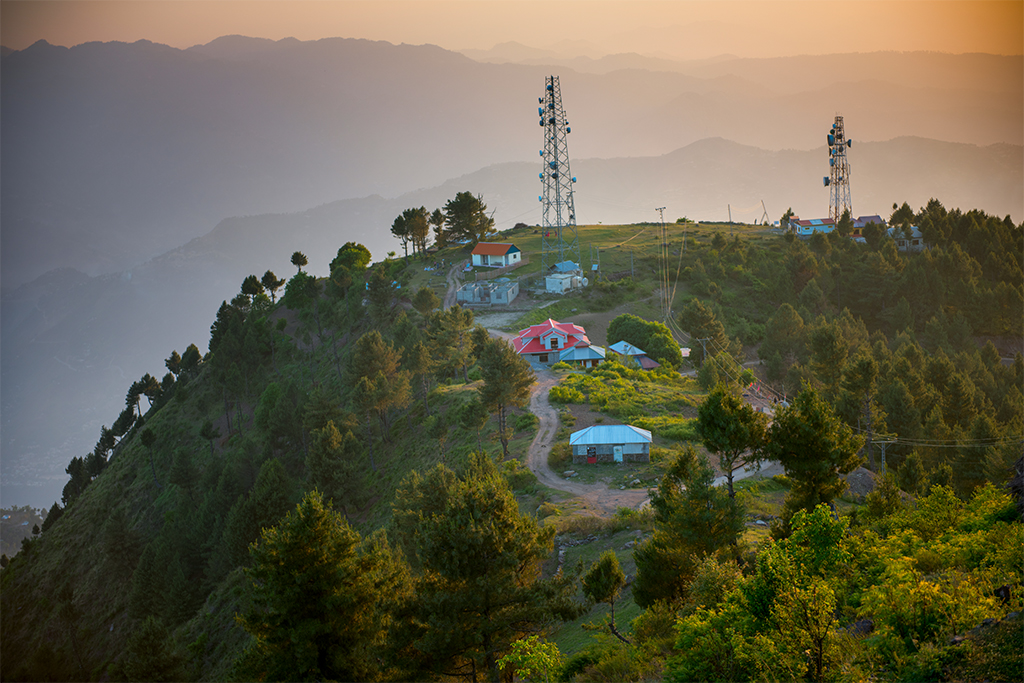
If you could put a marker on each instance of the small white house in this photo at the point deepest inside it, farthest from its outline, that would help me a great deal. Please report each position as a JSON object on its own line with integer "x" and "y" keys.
{"x": 495, "y": 255}
{"x": 559, "y": 283}
{"x": 914, "y": 243}
{"x": 610, "y": 443}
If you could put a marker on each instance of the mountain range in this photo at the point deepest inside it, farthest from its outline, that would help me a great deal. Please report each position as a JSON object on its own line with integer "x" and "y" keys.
{"x": 114, "y": 153}
{"x": 118, "y": 159}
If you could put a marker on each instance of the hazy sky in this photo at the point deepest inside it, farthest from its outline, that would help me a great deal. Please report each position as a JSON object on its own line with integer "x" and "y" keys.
{"x": 679, "y": 28}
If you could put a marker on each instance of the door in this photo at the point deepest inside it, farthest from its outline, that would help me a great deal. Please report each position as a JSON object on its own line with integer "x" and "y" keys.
{"x": 618, "y": 453}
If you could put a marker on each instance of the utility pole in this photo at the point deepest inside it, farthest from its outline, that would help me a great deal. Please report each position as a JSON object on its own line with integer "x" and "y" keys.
{"x": 883, "y": 444}
{"x": 704, "y": 349}
{"x": 665, "y": 304}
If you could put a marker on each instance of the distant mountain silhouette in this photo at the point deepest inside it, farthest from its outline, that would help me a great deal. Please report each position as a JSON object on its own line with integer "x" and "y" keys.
{"x": 72, "y": 343}
{"x": 115, "y": 152}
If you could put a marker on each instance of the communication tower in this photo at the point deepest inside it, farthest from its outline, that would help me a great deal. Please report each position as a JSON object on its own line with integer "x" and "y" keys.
{"x": 838, "y": 178}
{"x": 559, "y": 241}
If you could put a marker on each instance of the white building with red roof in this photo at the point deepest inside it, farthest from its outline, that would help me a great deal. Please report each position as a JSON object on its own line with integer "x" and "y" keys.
{"x": 546, "y": 341}
{"x": 495, "y": 255}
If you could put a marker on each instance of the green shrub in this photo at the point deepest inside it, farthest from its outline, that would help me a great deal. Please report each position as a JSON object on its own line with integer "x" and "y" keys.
{"x": 670, "y": 427}
{"x": 560, "y": 456}
{"x": 547, "y": 510}
{"x": 577, "y": 664}
{"x": 526, "y": 422}
{"x": 563, "y": 394}
{"x": 519, "y": 478}
{"x": 561, "y": 365}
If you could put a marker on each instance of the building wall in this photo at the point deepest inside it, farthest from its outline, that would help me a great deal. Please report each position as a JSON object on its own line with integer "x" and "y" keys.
{"x": 631, "y": 452}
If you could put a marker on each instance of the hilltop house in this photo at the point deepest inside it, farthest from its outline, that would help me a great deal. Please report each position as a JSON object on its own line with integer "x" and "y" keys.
{"x": 861, "y": 222}
{"x": 546, "y": 341}
{"x": 806, "y": 228}
{"x": 584, "y": 356}
{"x": 913, "y": 243}
{"x": 634, "y": 354}
{"x": 610, "y": 443}
{"x": 495, "y": 255}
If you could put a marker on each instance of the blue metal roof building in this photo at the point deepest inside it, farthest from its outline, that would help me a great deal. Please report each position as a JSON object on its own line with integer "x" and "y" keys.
{"x": 611, "y": 443}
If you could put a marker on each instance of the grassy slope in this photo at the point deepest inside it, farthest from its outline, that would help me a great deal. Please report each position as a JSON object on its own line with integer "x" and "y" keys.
{"x": 72, "y": 553}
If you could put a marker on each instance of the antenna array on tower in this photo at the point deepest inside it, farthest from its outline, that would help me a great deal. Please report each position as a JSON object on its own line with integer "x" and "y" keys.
{"x": 838, "y": 179}
{"x": 559, "y": 241}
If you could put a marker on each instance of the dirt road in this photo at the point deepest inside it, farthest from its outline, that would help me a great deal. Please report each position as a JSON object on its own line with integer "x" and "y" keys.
{"x": 454, "y": 279}
{"x": 598, "y": 498}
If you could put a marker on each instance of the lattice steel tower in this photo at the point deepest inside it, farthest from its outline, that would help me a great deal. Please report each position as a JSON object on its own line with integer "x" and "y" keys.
{"x": 838, "y": 179}
{"x": 559, "y": 241}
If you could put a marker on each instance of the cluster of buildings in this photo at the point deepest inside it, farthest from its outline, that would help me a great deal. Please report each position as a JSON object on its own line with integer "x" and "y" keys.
{"x": 910, "y": 243}
{"x": 492, "y": 289}
{"x": 552, "y": 342}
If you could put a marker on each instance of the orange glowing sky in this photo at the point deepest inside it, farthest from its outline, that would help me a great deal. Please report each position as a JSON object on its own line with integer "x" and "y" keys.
{"x": 673, "y": 28}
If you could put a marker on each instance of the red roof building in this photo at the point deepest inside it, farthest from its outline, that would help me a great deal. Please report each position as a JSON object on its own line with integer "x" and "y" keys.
{"x": 495, "y": 255}
{"x": 546, "y": 341}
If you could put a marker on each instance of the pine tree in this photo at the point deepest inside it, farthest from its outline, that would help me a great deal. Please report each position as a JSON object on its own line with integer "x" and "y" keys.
{"x": 150, "y": 655}
{"x": 603, "y": 583}
{"x": 264, "y": 505}
{"x": 437, "y": 221}
{"x": 816, "y": 449}
{"x": 476, "y": 562}
{"x": 507, "y": 380}
{"x": 425, "y": 301}
{"x": 210, "y": 433}
{"x": 376, "y": 364}
{"x": 465, "y": 218}
{"x": 449, "y": 339}
{"x": 700, "y": 323}
{"x": 271, "y": 283}
{"x": 331, "y": 465}
{"x": 693, "y": 518}
{"x": 731, "y": 429}
{"x": 317, "y": 592}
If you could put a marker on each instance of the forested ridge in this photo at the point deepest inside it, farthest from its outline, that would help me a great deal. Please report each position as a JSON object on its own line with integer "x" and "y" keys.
{"x": 330, "y": 492}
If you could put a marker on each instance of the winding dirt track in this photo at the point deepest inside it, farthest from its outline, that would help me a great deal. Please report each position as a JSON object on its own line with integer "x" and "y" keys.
{"x": 596, "y": 497}
{"x": 454, "y": 279}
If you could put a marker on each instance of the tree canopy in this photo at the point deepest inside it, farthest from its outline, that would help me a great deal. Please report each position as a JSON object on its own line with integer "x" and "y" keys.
{"x": 465, "y": 218}
{"x": 476, "y": 562}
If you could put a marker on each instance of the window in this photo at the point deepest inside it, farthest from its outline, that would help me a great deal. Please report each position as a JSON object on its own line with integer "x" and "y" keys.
{"x": 543, "y": 358}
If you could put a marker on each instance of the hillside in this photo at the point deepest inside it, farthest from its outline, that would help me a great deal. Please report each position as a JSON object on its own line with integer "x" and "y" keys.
{"x": 66, "y": 329}
{"x": 301, "y": 391}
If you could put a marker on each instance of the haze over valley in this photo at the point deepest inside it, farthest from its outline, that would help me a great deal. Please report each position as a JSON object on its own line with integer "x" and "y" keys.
{"x": 143, "y": 182}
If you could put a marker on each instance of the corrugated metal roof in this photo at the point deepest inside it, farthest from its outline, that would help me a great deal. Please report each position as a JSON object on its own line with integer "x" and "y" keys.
{"x": 626, "y": 349}
{"x": 861, "y": 221}
{"x": 582, "y": 353}
{"x": 528, "y": 340}
{"x": 493, "y": 249}
{"x": 609, "y": 434}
